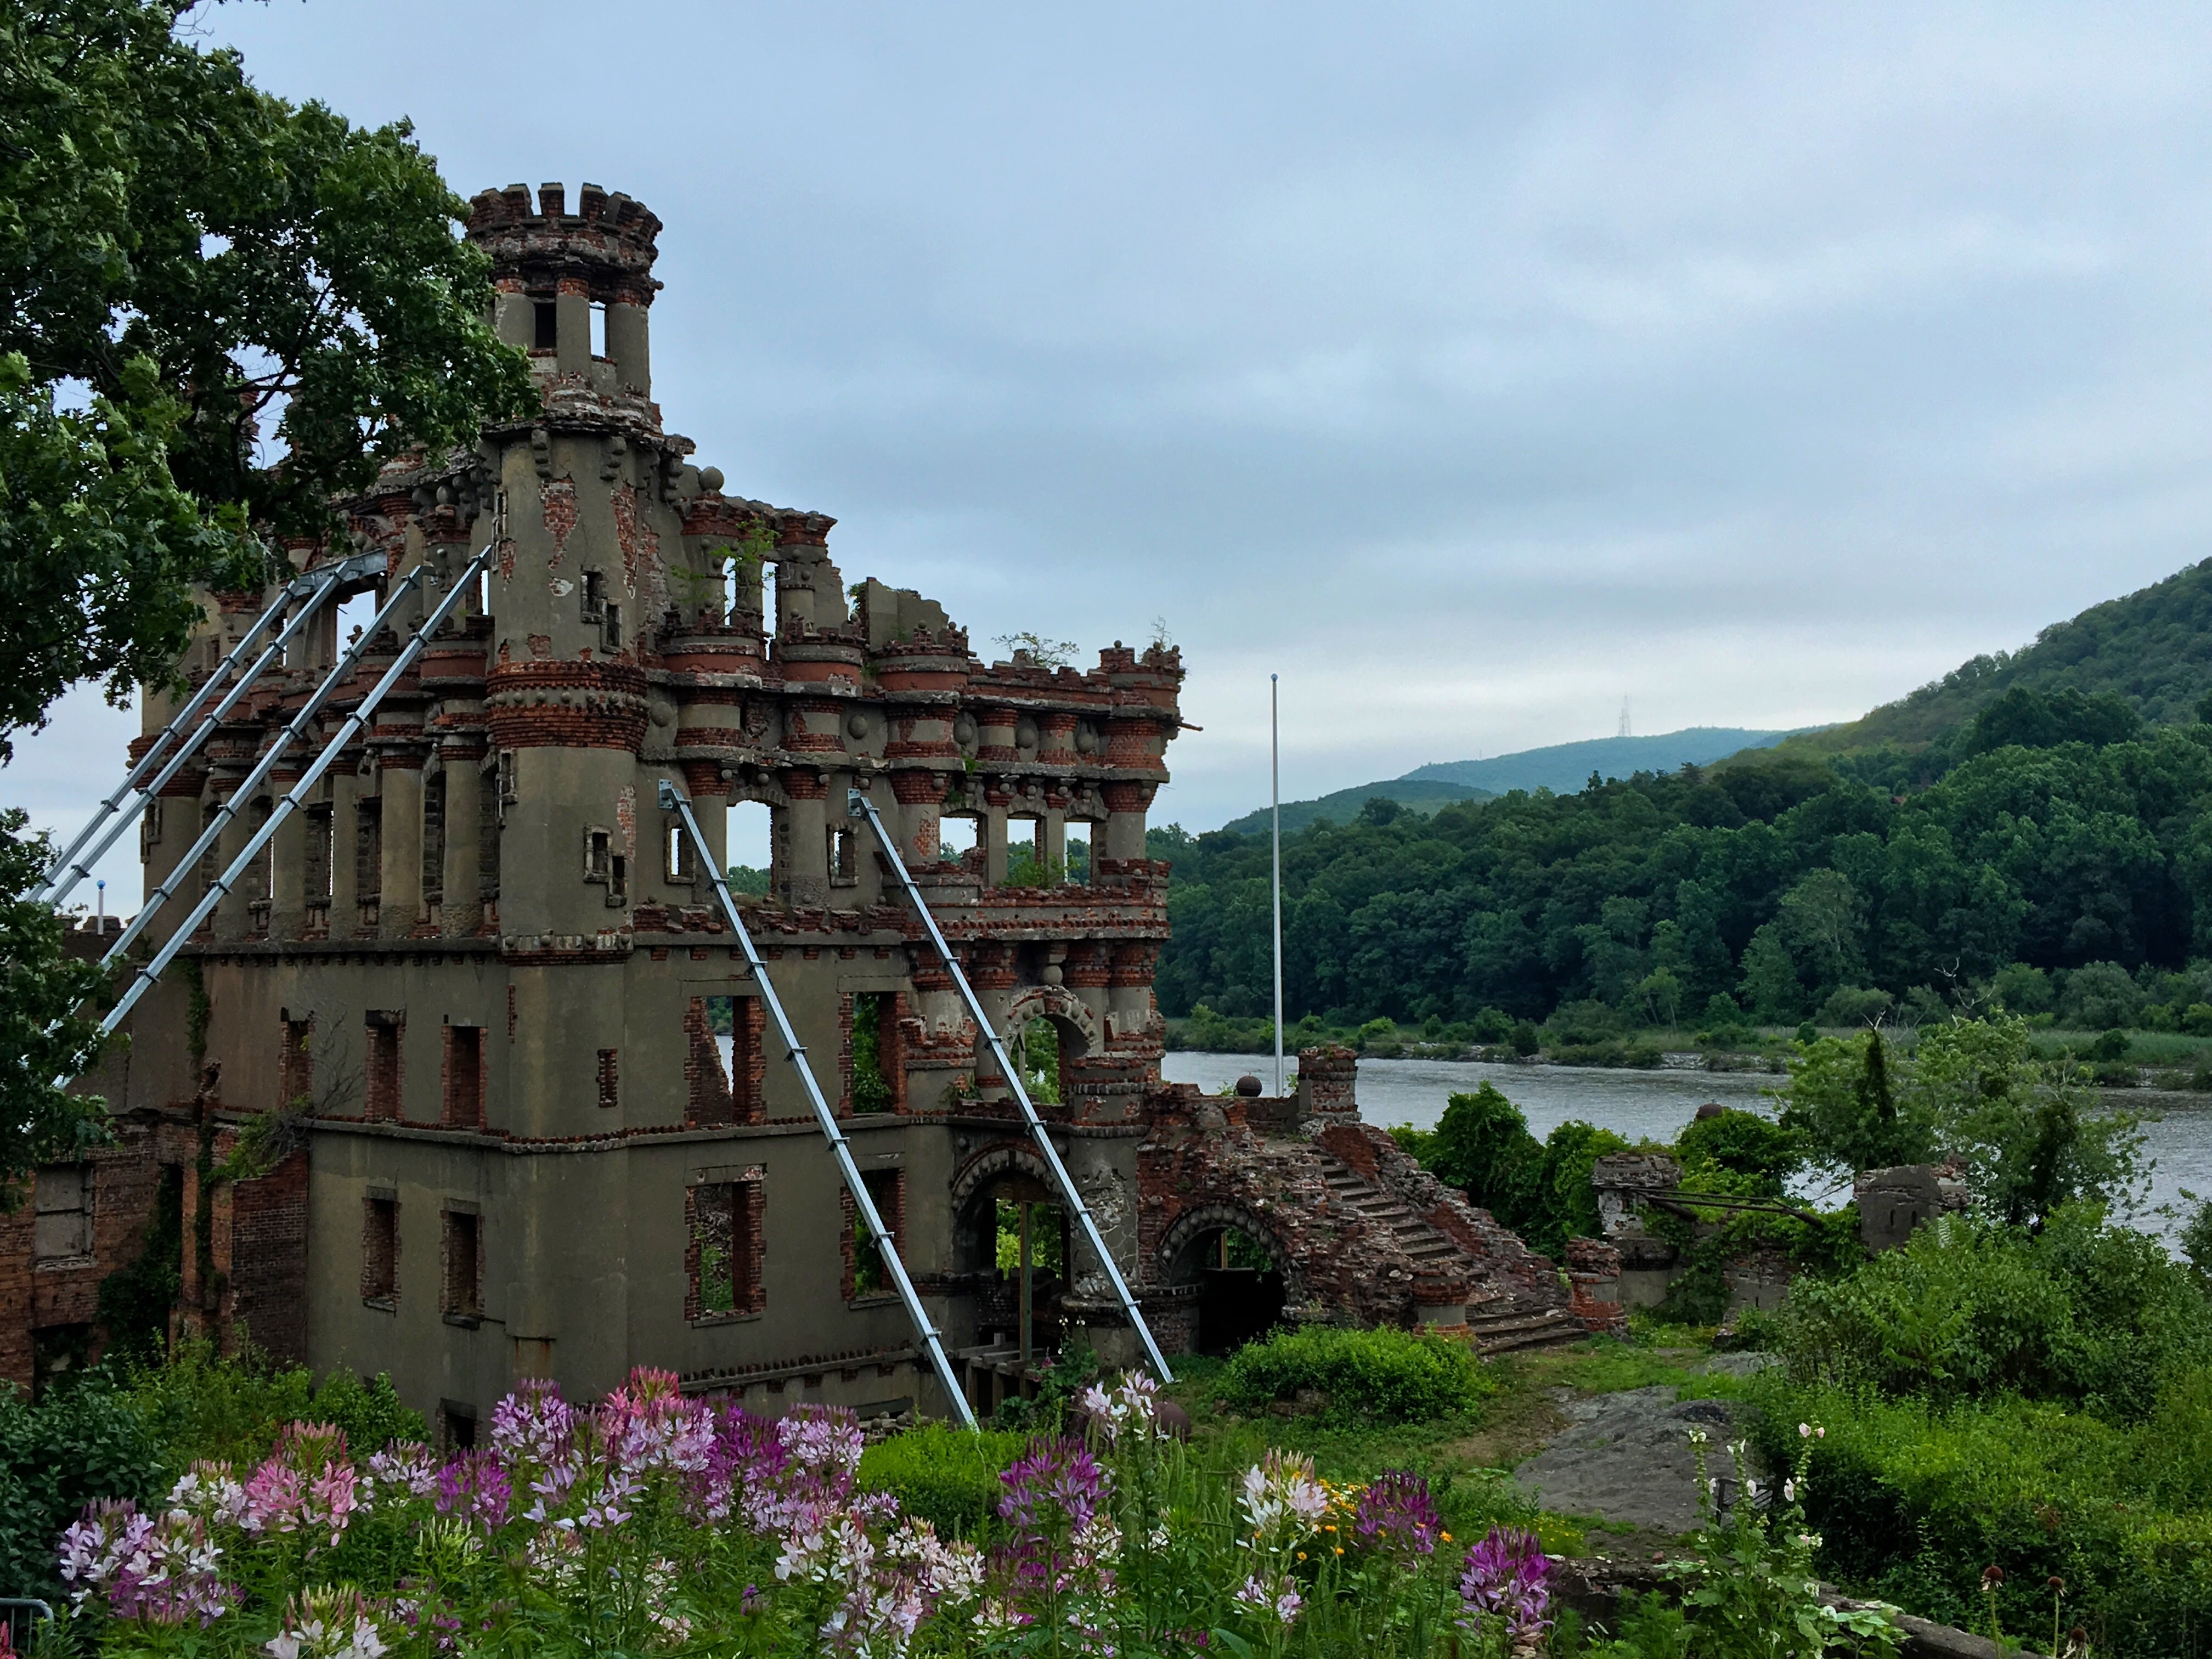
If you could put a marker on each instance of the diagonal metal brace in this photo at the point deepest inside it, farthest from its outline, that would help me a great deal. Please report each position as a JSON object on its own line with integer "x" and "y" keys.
{"x": 860, "y": 806}
{"x": 673, "y": 801}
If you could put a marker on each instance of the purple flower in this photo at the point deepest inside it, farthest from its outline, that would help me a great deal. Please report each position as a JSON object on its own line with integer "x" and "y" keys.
{"x": 165, "y": 1572}
{"x": 1505, "y": 1578}
{"x": 1054, "y": 1487}
{"x": 474, "y": 1486}
{"x": 1397, "y": 1517}
{"x": 533, "y": 1424}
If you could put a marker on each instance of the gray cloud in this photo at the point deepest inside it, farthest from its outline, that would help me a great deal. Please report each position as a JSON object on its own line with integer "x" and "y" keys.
{"x": 1472, "y": 368}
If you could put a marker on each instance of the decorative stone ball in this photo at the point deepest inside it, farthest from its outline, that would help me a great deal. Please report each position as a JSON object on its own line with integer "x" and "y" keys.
{"x": 1086, "y": 740}
{"x": 1248, "y": 1086}
{"x": 963, "y": 730}
{"x": 856, "y": 724}
{"x": 1025, "y": 735}
{"x": 1710, "y": 1109}
{"x": 710, "y": 478}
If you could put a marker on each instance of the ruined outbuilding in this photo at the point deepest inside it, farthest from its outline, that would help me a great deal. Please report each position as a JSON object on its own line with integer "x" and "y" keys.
{"x": 509, "y": 1090}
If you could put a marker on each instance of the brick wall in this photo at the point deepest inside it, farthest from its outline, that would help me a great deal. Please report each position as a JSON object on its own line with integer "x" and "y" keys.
{"x": 269, "y": 1260}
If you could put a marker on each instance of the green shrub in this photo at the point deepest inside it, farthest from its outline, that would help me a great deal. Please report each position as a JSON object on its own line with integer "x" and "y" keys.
{"x": 946, "y": 1475}
{"x": 1912, "y": 1500}
{"x": 81, "y": 1442}
{"x": 1756, "y": 1149}
{"x": 2082, "y": 1313}
{"x": 199, "y": 1405}
{"x": 1389, "y": 1375}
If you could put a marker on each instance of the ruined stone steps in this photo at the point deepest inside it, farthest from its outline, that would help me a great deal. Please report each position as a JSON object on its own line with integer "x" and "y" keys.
{"x": 1515, "y": 1330}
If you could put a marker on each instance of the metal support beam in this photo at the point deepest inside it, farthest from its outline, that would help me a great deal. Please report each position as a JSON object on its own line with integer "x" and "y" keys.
{"x": 860, "y": 806}
{"x": 130, "y": 800}
{"x": 347, "y": 660}
{"x": 672, "y": 800}
{"x": 456, "y": 591}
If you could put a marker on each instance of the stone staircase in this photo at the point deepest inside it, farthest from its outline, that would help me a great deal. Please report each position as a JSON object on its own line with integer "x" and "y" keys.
{"x": 1501, "y": 1322}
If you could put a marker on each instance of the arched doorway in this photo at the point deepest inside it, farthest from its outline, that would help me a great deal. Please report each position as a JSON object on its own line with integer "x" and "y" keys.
{"x": 1010, "y": 1232}
{"x": 1238, "y": 1269}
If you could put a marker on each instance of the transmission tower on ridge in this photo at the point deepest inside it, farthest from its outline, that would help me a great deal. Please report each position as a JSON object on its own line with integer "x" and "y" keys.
{"x": 1624, "y": 731}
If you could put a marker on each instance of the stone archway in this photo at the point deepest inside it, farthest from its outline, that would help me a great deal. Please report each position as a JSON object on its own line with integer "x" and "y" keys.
{"x": 1059, "y": 1005}
{"x": 1235, "y": 1304}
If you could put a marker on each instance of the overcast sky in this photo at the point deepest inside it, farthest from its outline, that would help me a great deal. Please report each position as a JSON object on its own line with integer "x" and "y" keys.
{"x": 1474, "y": 368}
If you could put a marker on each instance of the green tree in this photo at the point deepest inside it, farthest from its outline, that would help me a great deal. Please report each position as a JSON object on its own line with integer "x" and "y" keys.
{"x": 217, "y": 311}
{"x": 232, "y": 278}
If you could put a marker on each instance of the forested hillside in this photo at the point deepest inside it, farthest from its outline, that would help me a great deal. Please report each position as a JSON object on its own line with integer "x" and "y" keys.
{"x": 2063, "y": 833}
{"x": 2153, "y": 647}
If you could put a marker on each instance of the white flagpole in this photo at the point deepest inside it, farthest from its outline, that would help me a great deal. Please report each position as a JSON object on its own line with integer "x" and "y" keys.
{"x": 1275, "y": 807}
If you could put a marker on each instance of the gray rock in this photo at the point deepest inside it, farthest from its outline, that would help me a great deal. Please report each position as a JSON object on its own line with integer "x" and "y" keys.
{"x": 1627, "y": 1457}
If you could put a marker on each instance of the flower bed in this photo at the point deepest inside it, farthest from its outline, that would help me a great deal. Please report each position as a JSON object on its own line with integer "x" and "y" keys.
{"x": 657, "y": 1523}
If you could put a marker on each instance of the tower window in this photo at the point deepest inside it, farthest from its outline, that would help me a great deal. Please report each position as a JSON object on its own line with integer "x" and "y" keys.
{"x": 678, "y": 869}
{"x": 595, "y": 595}
{"x": 599, "y": 854}
{"x": 546, "y": 334}
{"x": 599, "y": 330}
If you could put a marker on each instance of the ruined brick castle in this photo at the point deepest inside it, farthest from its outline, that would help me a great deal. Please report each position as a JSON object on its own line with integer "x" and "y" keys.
{"x": 515, "y": 1109}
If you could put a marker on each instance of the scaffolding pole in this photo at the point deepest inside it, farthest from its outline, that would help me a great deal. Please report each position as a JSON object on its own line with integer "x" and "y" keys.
{"x": 673, "y": 801}
{"x": 348, "y": 661}
{"x": 860, "y": 806}
{"x": 315, "y": 587}
{"x": 297, "y": 795}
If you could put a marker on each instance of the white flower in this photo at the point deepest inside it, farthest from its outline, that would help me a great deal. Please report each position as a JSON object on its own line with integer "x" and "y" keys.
{"x": 1804, "y": 1430}
{"x": 1790, "y": 1492}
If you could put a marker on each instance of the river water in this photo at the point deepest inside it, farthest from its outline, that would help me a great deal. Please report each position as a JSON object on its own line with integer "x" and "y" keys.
{"x": 1655, "y": 1105}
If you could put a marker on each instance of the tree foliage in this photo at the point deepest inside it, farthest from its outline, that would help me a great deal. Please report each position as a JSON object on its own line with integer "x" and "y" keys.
{"x": 43, "y": 1035}
{"x": 199, "y": 278}
{"x": 1972, "y": 1091}
{"x": 1772, "y": 887}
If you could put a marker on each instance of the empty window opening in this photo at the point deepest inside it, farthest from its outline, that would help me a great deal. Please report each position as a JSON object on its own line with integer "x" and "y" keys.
{"x": 463, "y": 1277}
{"x": 599, "y": 329}
{"x": 61, "y": 1229}
{"x": 875, "y": 1052}
{"x": 610, "y": 1079}
{"x": 1079, "y": 858}
{"x": 749, "y": 844}
{"x": 384, "y": 1026}
{"x": 463, "y": 1067}
{"x": 958, "y": 836}
{"x": 256, "y": 883}
{"x": 316, "y": 878}
{"x": 599, "y": 854}
{"x": 353, "y": 617}
{"x": 595, "y": 595}
{"x": 865, "y": 1276}
{"x": 618, "y": 880}
{"x": 457, "y": 1427}
{"x": 149, "y": 831}
{"x": 369, "y": 849}
{"x": 490, "y": 808}
{"x": 295, "y": 1070}
{"x": 1027, "y": 865}
{"x": 507, "y": 775}
{"x": 677, "y": 867}
{"x": 1240, "y": 1291}
{"x": 710, "y": 1065}
{"x": 545, "y": 331}
{"x": 1031, "y": 1252}
{"x": 725, "y": 1248}
{"x": 611, "y": 627}
{"x": 380, "y": 1250}
{"x": 433, "y": 838}
{"x": 484, "y": 592}
{"x": 844, "y": 856}
{"x": 1036, "y": 1052}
